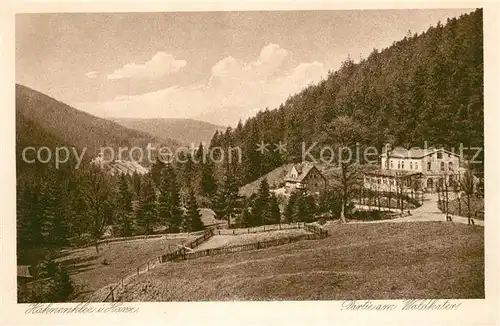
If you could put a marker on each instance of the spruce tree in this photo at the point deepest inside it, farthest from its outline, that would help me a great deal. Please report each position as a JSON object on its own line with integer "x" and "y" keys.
{"x": 192, "y": 217}
{"x": 274, "y": 214}
{"x": 169, "y": 202}
{"x": 147, "y": 205}
{"x": 124, "y": 205}
{"x": 156, "y": 171}
{"x": 260, "y": 208}
{"x": 289, "y": 212}
{"x": 208, "y": 184}
{"x": 136, "y": 183}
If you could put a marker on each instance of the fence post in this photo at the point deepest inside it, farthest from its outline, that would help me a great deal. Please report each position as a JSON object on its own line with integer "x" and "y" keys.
{"x": 137, "y": 270}
{"x": 122, "y": 283}
{"x": 233, "y": 231}
{"x": 112, "y": 295}
{"x": 148, "y": 266}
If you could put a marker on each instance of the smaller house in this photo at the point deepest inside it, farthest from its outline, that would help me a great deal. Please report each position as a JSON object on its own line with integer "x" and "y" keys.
{"x": 305, "y": 176}
{"x": 23, "y": 275}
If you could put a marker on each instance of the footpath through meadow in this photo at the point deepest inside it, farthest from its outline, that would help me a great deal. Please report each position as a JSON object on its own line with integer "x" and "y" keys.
{"x": 428, "y": 211}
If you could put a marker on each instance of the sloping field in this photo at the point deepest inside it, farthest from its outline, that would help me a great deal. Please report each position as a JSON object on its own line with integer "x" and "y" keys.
{"x": 91, "y": 271}
{"x": 233, "y": 240}
{"x": 368, "y": 261}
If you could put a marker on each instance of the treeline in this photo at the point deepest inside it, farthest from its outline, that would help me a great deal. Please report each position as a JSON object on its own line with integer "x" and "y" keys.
{"x": 63, "y": 207}
{"x": 426, "y": 87}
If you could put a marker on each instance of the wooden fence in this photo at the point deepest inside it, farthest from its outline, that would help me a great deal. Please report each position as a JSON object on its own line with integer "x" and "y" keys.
{"x": 254, "y": 245}
{"x": 316, "y": 232}
{"x": 259, "y": 229}
{"x": 116, "y": 289}
{"x": 167, "y": 236}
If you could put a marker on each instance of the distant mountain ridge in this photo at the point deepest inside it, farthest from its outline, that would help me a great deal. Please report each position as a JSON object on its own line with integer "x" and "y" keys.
{"x": 184, "y": 131}
{"x": 41, "y": 119}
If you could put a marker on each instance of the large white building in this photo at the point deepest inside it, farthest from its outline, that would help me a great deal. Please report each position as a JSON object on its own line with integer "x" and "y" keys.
{"x": 425, "y": 169}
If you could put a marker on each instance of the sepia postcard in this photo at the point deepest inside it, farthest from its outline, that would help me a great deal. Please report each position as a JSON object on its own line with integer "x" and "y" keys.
{"x": 258, "y": 164}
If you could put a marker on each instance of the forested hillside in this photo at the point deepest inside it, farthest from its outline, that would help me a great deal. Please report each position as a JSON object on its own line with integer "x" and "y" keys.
{"x": 183, "y": 131}
{"x": 426, "y": 87}
{"x": 74, "y": 127}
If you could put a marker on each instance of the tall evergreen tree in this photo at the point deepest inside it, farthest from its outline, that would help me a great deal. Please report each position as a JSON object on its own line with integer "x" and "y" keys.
{"x": 228, "y": 201}
{"x": 124, "y": 205}
{"x": 192, "y": 217}
{"x": 169, "y": 201}
{"x": 274, "y": 214}
{"x": 147, "y": 213}
{"x": 156, "y": 171}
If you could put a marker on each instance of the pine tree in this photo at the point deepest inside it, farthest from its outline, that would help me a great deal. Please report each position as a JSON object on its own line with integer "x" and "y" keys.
{"x": 274, "y": 214}
{"x": 124, "y": 205}
{"x": 246, "y": 218}
{"x": 29, "y": 221}
{"x": 192, "y": 217}
{"x": 156, "y": 171}
{"x": 136, "y": 183}
{"x": 228, "y": 202}
{"x": 289, "y": 212}
{"x": 97, "y": 193}
{"x": 54, "y": 212}
{"x": 147, "y": 205}
{"x": 208, "y": 184}
{"x": 169, "y": 201}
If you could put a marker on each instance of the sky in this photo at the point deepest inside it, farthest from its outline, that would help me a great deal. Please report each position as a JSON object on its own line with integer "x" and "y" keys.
{"x": 213, "y": 66}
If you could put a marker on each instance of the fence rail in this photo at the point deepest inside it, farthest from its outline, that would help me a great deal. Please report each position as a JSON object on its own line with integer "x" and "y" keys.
{"x": 253, "y": 246}
{"x": 167, "y": 236}
{"x": 316, "y": 233}
{"x": 259, "y": 229}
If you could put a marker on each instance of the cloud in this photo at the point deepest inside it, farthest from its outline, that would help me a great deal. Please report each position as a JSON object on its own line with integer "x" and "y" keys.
{"x": 161, "y": 64}
{"x": 91, "y": 74}
{"x": 269, "y": 61}
{"x": 244, "y": 87}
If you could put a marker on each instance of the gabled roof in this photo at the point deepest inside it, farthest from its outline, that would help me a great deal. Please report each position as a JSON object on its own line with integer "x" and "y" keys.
{"x": 303, "y": 170}
{"x": 415, "y": 152}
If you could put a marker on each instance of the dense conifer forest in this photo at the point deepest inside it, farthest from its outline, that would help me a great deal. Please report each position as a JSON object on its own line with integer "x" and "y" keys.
{"x": 426, "y": 87}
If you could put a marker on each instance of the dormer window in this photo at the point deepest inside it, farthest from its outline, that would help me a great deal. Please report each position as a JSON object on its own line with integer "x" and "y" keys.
{"x": 439, "y": 155}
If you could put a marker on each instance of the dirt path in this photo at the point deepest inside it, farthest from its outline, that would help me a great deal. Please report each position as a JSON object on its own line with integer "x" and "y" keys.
{"x": 429, "y": 211}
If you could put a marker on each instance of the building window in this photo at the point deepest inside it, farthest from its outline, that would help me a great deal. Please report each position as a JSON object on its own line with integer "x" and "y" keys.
{"x": 411, "y": 165}
{"x": 450, "y": 166}
{"x": 402, "y": 165}
{"x": 442, "y": 166}
{"x": 416, "y": 165}
{"x": 439, "y": 155}
{"x": 429, "y": 166}
{"x": 391, "y": 164}
{"x": 399, "y": 165}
